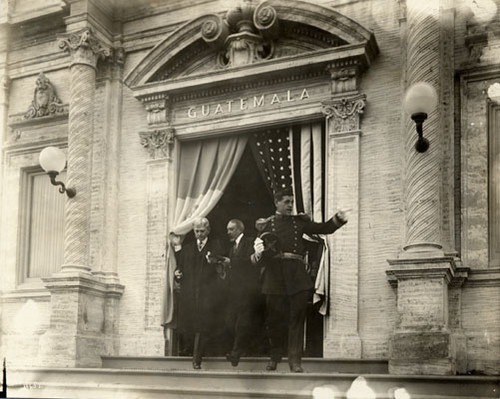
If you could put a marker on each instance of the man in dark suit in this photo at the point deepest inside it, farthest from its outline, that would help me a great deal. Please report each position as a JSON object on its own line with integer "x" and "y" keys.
{"x": 244, "y": 292}
{"x": 286, "y": 282}
{"x": 199, "y": 274}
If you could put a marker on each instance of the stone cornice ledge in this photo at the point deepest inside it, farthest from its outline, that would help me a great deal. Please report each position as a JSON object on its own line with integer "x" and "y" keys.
{"x": 484, "y": 278}
{"x": 447, "y": 267}
{"x": 82, "y": 282}
{"x": 18, "y": 121}
{"x": 279, "y": 66}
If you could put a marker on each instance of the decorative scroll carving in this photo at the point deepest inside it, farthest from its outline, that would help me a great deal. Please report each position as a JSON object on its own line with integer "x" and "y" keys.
{"x": 45, "y": 101}
{"x": 158, "y": 143}
{"x": 343, "y": 114}
{"x": 241, "y": 37}
{"x": 84, "y": 48}
{"x": 158, "y": 109}
{"x": 265, "y": 19}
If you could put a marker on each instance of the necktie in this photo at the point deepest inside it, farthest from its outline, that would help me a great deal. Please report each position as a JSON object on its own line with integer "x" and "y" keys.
{"x": 235, "y": 247}
{"x": 200, "y": 246}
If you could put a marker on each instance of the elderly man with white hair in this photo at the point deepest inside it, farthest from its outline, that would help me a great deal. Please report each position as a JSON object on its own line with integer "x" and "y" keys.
{"x": 199, "y": 274}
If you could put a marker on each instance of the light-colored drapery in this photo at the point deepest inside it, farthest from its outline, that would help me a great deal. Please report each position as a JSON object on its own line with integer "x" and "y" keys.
{"x": 312, "y": 190}
{"x": 204, "y": 170}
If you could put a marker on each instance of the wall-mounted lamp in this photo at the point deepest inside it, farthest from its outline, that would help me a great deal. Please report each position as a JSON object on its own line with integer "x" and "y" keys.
{"x": 420, "y": 99}
{"x": 53, "y": 161}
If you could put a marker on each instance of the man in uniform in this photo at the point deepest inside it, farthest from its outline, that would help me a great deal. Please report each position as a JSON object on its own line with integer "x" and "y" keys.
{"x": 286, "y": 282}
{"x": 199, "y": 275}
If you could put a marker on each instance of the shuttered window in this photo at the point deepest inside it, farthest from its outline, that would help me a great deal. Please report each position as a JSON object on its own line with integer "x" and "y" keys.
{"x": 44, "y": 226}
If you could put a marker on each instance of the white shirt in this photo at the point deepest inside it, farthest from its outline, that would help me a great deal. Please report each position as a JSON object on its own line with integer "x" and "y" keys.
{"x": 201, "y": 243}
{"x": 237, "y": 240}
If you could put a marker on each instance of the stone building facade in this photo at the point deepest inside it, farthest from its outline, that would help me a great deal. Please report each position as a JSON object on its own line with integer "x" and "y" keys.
{"x": 120, "y": 86}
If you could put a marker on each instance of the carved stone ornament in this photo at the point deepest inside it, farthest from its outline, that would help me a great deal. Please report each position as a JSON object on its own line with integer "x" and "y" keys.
{"x": 45, "y": 101}
{"x": 157, "y": 109}
{"x": 84, "y": 48}
{"x": 245, "y": 36}
{"x": 344, "y": 78}
{"x": 158, "y": 143}
{"x": 344, "y": 114}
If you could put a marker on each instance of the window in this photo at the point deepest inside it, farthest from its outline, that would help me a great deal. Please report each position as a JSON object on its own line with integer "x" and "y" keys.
{"x": 42, "y": 232}
{"x": 494, "y": 184}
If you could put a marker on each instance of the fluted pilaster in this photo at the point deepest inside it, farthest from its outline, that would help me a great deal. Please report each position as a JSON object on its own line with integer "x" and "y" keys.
{"x": 423, "y": 171}
{"x": 85, "y": 50}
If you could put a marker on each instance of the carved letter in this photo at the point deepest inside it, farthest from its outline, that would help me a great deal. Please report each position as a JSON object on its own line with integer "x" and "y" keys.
{"x": 289, "y": 96}
{"x": 243, "y": 103}
{"x": 304, "y": 94}
{"x": 192, "y": 112}
{"x": 258, "y": 102}
{"x": 218, "y": 109}
{"x": 275, "y": 100}
{"x": 229, "y": 105}
{"x": 203, "y": 110}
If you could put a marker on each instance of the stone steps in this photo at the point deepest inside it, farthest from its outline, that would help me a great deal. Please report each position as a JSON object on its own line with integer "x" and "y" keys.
{"x": 127, "y": 383}
{"x": 313, "y": 365}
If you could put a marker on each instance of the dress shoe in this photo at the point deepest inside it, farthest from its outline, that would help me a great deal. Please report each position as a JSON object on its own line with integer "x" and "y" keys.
{"x": 233, "y": 359}
{"x": 271, "y": 365}
{"x": 296, "y": 368}
{"x": 196, "y": 366}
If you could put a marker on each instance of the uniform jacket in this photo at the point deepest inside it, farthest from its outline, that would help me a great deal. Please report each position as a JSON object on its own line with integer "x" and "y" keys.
{"x": 199, "y": 286}
{"x": 289, "y": 276}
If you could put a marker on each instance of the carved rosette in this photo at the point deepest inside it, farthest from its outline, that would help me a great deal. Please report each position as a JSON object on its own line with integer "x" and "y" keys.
{"x": 84, "y": 48}
{"x": 45, "y": 101}
{"x": 343, "y": 114}
{"x": 158, "y": 110}
{"x": 158, "y": 143}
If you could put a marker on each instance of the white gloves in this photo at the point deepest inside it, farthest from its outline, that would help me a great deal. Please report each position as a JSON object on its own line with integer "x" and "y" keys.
{"x": 258, "y": 247}
{"x": 178, "y": 274}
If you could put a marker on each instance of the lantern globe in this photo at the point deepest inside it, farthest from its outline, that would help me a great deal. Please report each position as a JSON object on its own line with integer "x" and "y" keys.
{"x": 420, "y": 97}
{"x": 52, "y": 159}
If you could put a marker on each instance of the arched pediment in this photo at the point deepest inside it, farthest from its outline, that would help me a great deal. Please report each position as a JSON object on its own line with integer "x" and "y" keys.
{"x": 274, "y": 29}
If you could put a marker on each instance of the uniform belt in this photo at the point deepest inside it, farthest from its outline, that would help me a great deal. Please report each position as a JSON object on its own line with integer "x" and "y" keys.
{"x": 288, "y": 255}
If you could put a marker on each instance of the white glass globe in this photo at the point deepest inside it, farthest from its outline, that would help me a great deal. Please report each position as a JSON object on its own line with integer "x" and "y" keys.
{"x": 52, "y": 159}
{"x": 420, "y": 97}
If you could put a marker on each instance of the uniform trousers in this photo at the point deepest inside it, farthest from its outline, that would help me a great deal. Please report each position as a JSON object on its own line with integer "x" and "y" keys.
{"x": 286, "y": 314}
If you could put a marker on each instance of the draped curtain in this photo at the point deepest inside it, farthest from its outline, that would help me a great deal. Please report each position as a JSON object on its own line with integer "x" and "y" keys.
{"x": 309, "y": 182}
{"x": 203, "y": 172}
{"x": 294, "y": 157}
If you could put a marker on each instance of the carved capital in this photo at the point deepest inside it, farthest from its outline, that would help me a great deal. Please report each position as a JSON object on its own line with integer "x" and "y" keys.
{"x": 84, "y": 48}
{"x": 344, "y": 76}
{"x": 157, "y": 108}
{"x": 45, "y": 101}
{"x": 158, "y": 143}
{"x": 343, "y": 114}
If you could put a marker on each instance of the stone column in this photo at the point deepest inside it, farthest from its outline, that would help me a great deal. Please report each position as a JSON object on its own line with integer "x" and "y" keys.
{"x": 85, "y": 51}
{"x": 343, "y": 112}
{"x": 158, "y": 141}
{"x": 84, "y": 306}
{"x": 422, "y": 342}
{"x": 4, "y": 95}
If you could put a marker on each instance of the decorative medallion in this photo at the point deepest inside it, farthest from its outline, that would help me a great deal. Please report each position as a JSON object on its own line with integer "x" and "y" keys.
{"x": 45, "y": 101}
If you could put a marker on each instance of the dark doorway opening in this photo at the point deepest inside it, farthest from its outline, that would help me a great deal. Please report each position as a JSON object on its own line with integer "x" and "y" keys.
{"x": 246, "y": 198}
